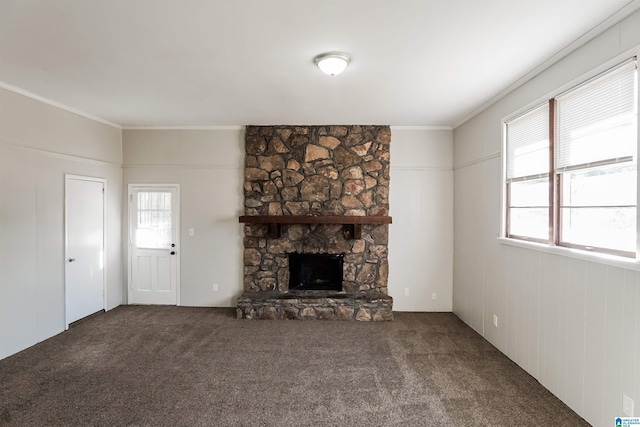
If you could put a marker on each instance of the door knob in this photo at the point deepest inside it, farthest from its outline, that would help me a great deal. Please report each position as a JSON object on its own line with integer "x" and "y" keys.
{"x": 71, "y": 259}
{"x": 173, "y": 252}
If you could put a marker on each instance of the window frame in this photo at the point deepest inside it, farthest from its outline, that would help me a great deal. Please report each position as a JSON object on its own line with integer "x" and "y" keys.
{"x": 556, "y": 176}
{"x": 509, "y": 181}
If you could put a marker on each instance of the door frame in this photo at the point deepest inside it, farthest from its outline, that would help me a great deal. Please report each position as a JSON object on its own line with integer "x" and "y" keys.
{"x": 67, "y": 178}
{"x": 130, "y": 189}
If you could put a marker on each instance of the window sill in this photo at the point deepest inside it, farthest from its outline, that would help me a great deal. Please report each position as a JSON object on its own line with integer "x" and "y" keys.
{"x": 611, "y": 260}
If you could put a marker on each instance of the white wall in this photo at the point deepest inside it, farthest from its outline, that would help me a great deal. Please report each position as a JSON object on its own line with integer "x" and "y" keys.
{"x": 570, "y": 322}
{"x": 421, "y": 204}
{"x": 38, "y": 145}
{"x": 208, "y": 165}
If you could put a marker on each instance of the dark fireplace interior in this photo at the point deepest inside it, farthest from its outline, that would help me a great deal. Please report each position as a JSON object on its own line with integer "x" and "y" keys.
{"x": 315, "y": 272}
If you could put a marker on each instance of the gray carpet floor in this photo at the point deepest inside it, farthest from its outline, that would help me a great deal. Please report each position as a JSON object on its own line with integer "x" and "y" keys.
{"x": 181, "y": 366}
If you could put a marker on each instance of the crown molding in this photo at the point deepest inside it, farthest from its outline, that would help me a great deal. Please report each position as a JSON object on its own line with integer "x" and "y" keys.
{"x": 421, "y": 128}
{"x": 23, "y": 92}
{"x": 186, "y": 127}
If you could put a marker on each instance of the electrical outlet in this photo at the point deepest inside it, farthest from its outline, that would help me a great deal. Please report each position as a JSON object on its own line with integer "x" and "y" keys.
{"x": 495, "y": 321}
{"x": 434, "y": 296}
{"x": 627, "y": 405}
{"x": 192, "y": 232}
{"x": 215, "y": 287}
{"x": 406, "y": 292}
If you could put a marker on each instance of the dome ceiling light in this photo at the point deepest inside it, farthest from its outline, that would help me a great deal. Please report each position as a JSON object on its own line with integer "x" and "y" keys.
{"x": 332, "y": 63}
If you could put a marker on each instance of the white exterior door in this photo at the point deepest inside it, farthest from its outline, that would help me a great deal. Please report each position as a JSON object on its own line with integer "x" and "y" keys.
{"x": 84, "y": 255}
{"x": 154, "y": 244}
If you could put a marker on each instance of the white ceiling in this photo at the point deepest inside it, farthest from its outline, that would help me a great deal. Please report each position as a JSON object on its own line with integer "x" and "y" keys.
{"x": 237, "y": 62}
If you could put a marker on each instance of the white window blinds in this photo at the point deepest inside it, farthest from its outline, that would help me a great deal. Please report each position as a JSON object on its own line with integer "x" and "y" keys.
{"x": 596, "y": 122}
{"x": 528, "y": 144}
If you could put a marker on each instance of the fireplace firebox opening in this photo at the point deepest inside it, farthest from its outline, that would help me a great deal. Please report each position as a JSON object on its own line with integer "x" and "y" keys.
{"x": 315, "y": 272}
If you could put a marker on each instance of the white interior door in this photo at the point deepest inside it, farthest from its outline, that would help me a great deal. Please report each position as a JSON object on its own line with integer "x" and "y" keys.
{"x": 84, "y": 257}
{"x": 154, "y": 245}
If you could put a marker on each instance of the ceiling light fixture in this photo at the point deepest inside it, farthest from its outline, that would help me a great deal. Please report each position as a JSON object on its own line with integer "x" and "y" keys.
{"x": 332, "y": 63}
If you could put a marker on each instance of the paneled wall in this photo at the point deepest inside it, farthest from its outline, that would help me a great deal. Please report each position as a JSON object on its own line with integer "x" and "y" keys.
{"x": 208, "y": 165}
{"x": 39, "y": 144}
{"x": 569, "y": 321}
{"x": 421, "y": 236}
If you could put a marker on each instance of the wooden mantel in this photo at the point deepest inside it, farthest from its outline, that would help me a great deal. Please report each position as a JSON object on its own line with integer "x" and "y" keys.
{"x": 352, "y": 224}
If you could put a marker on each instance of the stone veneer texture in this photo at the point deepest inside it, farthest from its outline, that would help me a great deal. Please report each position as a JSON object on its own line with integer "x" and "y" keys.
{"x": 316, "y": 170}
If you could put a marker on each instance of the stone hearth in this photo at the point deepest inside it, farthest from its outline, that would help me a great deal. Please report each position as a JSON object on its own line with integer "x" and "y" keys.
{"x": 316, "y": 171}
{"x": 312, "y": 305}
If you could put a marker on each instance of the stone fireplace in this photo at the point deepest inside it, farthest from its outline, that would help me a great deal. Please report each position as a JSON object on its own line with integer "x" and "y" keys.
{"x": 316, "y": 207}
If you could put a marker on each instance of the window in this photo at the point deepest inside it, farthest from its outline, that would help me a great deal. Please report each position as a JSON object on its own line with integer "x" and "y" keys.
{"x": 528, "y": 175}
{"x": 571, "y": 166}
{"x": 154, "y": 220}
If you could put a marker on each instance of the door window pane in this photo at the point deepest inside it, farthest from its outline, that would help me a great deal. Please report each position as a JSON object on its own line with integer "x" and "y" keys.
{"x": 154, "y": 220}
